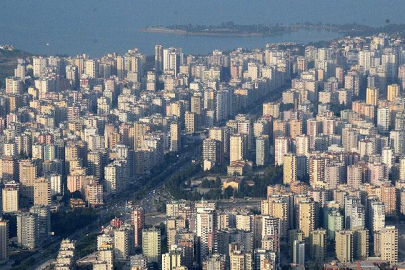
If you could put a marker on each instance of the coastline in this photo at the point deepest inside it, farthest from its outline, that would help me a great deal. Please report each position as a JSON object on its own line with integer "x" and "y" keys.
{"x": 166, "y": 30}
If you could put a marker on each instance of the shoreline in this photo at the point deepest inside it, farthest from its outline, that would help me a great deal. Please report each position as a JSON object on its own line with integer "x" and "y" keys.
{"x": 166, "y": 30}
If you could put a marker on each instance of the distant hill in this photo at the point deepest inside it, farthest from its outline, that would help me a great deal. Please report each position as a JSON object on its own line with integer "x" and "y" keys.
{"x": 8, "y": 62}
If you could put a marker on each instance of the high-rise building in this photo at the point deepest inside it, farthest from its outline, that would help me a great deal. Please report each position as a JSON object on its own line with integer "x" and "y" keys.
{"x": 42, "y": 192}
{"x": 115, "y": 175}
{"x": 92, "y": 68}
{"x": 334, "y": 222}
{"x": 376, "y": 216}
{"x": 20, "y": 70}
{"x": 271, "y": 233}
{"x": 97, "y": 160}
{"x": 138, "y": 262}
{"x": 4, "y": 237}
{"x": 27, "y": 230}
{"x": 294, "y": 235}
{"x": 350, "y": 138}
{"x": 214, "y": 262}
{"x": 173, "y": 259}
{"x": 240, "y": 260}
{"x": 372, "y": 96}
{"x": 302, "y": 145}
{"x": 27, "y": 174}
{"x": 401, "y": 76}
{"x": 190, "y": 122}
{"x": 206, "y": 228}
{"x": 317, "y": 240}
{"x": 138, "y": 221}
{"x": 238, "y": 147}
{"x": 280, "y": 128}
{"x": 355, "y": 215}
{"x": 66, "y": 255}
{"x": 56, "y": 184}
{"x": 262, "y": 152}
{"x": 272, "y": 109}
{"x": 354, "y": 175}
{"x": 123, "y": 243}
{"x": 94, "y": 194}
{"x": 386, "y": 244}
{"x": 151, "y": 244}
{"x": 221, "y": 134}
{"x": 212, "y": 151}
{"x": 44, "y": 221}
{"x": 388, "y": 157}
{"x": 316, "y": 172}
{"x": 344, "y": 246}
{"x": 333, "y": 175}
{"x": 10, "y": 197}
{"x": 39, "y": 65}
{"x": 361, "y": 244}
{"x": 172, "y": 59}
{"x": 295, "y": 128}
{"x": 389, "y": 198}
{"x": 281, "y": 147}
{"x": 306, "y": 216}
{"x": 14, "y": 86}
{"x": 175, "y": 137}
{"x": 299, "y": 252}
{"x": 289, "y": 168}
{"x": 393, "y": 91}
{"x": 383, "y": 120}
{"x": 158, "y": 58}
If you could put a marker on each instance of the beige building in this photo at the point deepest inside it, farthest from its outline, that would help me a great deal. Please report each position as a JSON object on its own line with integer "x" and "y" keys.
{"x": 271, "y": 108}
{"x": 122, "y": 243}
{"x": 289, "y": 168}
{"x": 244, "y": 222}
{"x": 393, "y": 91}
{"x": 306, "y": 216}
{"x": 172, "y": 260}
{"x": 372, "y": 95}
{"x": 215, "y": 262}
{"x": 317, "y": 171}
{"x": 175, "y": 137}
{"x": 279, "y": 207}
{"x": 240, "y": 260}
{"x": 190, "y": 122}
{"x": 386, "y": 244}
{"x": 295, "y": 128}
{"x": 281, "y": 147}
{"x": 238, "y": 147}
{"x": 151, "y": 244}
{"x": 28, "y": 174}
{"x": 42, "y": 192}
{"x": 10, "y": 197}
{"x": 344, "y": 246}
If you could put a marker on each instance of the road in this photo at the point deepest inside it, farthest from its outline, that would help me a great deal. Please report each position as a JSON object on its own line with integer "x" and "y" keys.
{"x": 157, "y": 181}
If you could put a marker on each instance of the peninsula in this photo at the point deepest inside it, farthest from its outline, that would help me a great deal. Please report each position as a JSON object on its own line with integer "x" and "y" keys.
{"x": 226, "y": 29}
{"x": 230, "y": 29}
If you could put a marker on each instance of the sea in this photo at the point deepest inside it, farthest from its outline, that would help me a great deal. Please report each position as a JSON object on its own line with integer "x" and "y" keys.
{"x": 98, "y": 27}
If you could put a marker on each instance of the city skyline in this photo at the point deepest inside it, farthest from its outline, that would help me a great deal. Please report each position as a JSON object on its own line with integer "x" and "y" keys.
{"x": 289, "y": 156}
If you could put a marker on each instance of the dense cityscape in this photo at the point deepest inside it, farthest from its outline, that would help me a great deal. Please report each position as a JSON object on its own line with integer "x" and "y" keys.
{"x": 286, "y": 157}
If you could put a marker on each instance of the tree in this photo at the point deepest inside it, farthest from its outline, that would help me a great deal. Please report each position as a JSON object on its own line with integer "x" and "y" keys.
{"x": 228, "y": 192}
